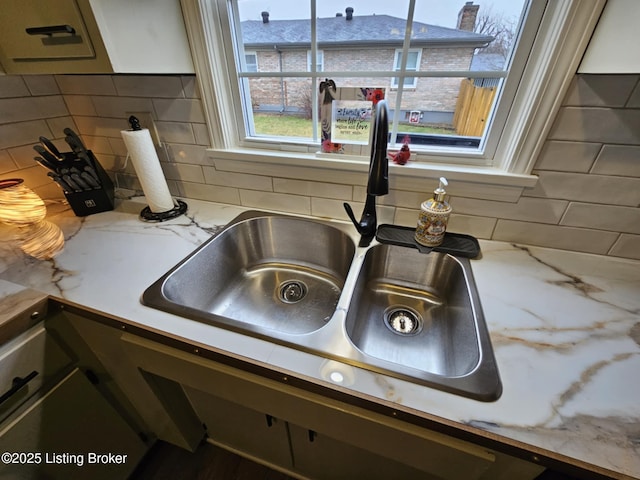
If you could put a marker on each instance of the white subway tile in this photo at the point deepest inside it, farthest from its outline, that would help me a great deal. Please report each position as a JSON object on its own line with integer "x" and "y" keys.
{"x": 600, "y": 90}
{"x": 238, "y": 180}
{"x": 183, "y": 172}
{"x": 603, "y": 217}
{"x": 122, "y": 107}
{"x": 211, "y": 193}
{"x": 23, "y": 155}
{"x": 41, "y": 84}
{"x": 623, "y": 160}
{"x": 86, "y": 84}
{"x": 179, "y": 110}
{"x": 80, "y": 105}
{"x": 554, "y": 236}
{"x": 100, "y": 126}
{"x": 182, "y": 153}
{"x": 22, "y": 133}
{"x": 174, "y": 132}
{"x": 6, "y": 162}
{"x": 312, "y": 189}
{"x": 479, "y": 227}
{"x": 13, "y": 86}
{"x": 540, "y": 210}
{"x": 164, "y": 86}
{"x": 202, "y": 134}
{"x": 276, "y": 201}
{"x": 190, "y": 86}
{"x": 567, "y": 156}
{"x": 593, "y": 188}
{"x": 98, "y": 145}
{"x": 328, "y": 208}
{"x": 599, "y": 125}
{"x": 31, "y": 108}
{"x": 627, "y": 246}
{"x": 57, "y": 126}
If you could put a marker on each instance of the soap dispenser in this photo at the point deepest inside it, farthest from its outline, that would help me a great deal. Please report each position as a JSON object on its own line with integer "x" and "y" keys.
{"x": 433, "y": 217}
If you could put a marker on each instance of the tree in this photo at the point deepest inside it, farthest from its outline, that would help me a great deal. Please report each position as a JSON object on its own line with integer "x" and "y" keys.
{"x": 502, "y": 29}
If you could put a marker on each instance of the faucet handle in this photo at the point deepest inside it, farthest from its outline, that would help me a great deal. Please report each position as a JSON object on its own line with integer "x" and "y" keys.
{"x": 368, "y": 222}
{"x": 355, "y": 222}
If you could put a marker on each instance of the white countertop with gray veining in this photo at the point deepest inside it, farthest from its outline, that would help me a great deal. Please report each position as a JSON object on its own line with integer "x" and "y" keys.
{"x": 565, "y": 329}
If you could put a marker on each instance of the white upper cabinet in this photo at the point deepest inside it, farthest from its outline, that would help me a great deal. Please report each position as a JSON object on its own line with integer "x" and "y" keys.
{"x": 93, "y": 36}
{"x": 613, "y": 46}
{"x": 144, "y": 36}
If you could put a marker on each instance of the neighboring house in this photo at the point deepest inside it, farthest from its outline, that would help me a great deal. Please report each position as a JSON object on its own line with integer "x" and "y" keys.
{"x": 361, "y": 43}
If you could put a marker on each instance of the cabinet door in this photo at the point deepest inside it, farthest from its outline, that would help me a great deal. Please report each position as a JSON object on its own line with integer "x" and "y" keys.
{"x": 248, "y": 432}
{"x": 20, "y": 41}
{"x": 26, "y": 363}
{"x": 321, "y": 457}
{"x": 65, "y": 431}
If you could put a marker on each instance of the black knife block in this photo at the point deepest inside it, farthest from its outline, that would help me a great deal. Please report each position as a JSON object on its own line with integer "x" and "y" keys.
{"x": 96, "y": 200}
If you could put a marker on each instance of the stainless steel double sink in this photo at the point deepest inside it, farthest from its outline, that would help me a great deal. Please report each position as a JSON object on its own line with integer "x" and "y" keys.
{"x": 304, "y": 283}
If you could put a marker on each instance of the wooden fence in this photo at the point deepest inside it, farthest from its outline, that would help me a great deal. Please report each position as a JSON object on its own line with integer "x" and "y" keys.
{"x": 472, "y": 108}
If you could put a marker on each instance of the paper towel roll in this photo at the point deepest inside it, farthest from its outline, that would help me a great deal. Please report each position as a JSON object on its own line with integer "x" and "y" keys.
{"x": 147, "y": 165}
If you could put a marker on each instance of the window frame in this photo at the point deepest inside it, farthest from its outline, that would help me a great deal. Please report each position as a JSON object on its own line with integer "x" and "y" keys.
{"x": 319, "y": 65}
{"x": 560, "y": 42}
{"x": 397, "y": 66}
{"x": 248, "y": 53}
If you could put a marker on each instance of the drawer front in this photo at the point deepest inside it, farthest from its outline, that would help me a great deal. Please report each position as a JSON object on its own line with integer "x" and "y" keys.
{"x": 33, "y": 351}
{"x": 71, "y": 432}
{"x": 20, "y": 15}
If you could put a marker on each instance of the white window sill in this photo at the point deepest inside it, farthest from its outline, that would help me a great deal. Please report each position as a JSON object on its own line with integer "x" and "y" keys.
{"x": 302, "y": 166}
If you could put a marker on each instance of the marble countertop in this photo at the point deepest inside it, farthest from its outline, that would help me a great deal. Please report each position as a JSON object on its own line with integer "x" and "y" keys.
{"x": 565, "y": 328}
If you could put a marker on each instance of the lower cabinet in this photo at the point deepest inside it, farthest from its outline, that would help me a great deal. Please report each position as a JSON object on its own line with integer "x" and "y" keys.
{"x": 183, "y": 398}
{"x": 304, "y": 433}
{"x": 55, "y": 424}
{"x": 255, "y": 434}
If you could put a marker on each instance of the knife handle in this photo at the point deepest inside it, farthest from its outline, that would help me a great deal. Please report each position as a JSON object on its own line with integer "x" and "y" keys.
{"x": 90, "y": 180}
{"x": 69, "y": 181}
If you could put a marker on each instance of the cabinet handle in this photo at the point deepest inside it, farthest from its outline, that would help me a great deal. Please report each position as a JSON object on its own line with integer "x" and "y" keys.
{"x": 50, "y": 30}
{"x": 269, "y": 420}
{"x": 312, "y": 435}
{"x": 17, "y": 384}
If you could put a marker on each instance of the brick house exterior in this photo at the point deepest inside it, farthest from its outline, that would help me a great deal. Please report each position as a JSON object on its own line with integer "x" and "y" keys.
{"x": 360, "y": 44}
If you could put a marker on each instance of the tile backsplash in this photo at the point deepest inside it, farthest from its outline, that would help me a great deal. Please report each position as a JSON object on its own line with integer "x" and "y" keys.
{"x": 587, "y": 198}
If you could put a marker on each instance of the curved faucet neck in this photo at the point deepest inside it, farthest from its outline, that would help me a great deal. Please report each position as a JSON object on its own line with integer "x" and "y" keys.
{"x": 378, "y": 181}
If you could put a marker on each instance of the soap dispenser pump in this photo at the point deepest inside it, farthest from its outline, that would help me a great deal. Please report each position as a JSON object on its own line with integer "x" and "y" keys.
{"x": 433, "y": 217}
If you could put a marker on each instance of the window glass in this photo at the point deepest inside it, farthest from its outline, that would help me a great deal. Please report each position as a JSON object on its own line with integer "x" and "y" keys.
{"x": 412, "y": 65}
{"x": 319, "y": 61}
{"x": 443, "y": 82}
{"x": 251, "y": 61}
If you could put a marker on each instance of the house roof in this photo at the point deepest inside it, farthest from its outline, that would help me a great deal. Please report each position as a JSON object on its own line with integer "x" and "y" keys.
{"x": 360, "y": 30}
{"x": 487, "y": 61}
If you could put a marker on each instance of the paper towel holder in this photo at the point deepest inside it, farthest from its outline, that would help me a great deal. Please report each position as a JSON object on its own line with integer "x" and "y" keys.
{"x": 146, "y": 214}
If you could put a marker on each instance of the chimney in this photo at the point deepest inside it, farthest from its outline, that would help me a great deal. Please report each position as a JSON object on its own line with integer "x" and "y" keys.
{"x": 467, "y": 17}
{"x": 349, "y": 11}
{"x": 265, "y": 17}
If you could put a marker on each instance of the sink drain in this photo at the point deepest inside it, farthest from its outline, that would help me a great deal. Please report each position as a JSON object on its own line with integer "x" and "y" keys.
{"x": 403, "y": 320}
{"x": 292, "y": 291}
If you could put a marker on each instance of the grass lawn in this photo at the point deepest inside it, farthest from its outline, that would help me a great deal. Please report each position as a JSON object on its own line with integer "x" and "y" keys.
{"x": 293, "y": 126}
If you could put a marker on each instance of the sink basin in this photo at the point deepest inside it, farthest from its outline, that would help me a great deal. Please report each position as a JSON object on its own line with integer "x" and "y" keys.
{"x": 420, "y": 316}
{"x": 414, "y": 310}
{"x": 303, "y": 283}
{"x": 263, "y": 273}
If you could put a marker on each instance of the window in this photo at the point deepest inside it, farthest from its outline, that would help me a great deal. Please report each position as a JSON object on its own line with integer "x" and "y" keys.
{"x": 319, "y": 61}
{"x": 413, "y": 65}
{"x": 540, "y": 57}
{"x": 251, "y": 61}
